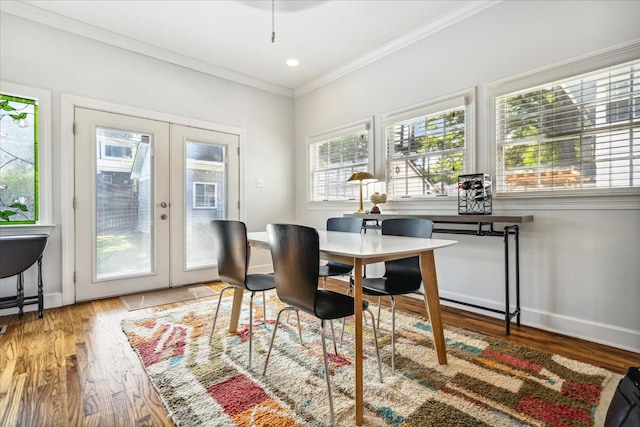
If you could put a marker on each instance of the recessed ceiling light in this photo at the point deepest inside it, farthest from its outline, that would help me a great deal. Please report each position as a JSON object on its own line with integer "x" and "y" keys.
{"x": 292, "y": 62}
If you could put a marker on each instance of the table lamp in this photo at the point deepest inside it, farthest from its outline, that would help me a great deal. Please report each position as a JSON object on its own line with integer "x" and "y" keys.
{"x": 363, "y": 177}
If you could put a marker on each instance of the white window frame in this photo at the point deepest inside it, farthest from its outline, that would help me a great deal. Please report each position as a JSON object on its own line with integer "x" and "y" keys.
{"x": 346, "y": 130}
{"x": 45, "y": 214}
{"x": 215, "y": 194}
{"x": 566, "y": 70}
{"x": 436, "y": 105}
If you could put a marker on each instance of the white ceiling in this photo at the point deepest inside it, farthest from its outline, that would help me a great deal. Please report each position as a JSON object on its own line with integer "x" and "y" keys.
{"x": 232, "y": 39}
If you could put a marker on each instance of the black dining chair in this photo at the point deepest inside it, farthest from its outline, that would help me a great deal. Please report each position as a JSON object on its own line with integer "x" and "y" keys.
{"x": 401, "y": 276}
{"x": 295, "y": 253}
{"x": 333, "y": 268}
{"x": 232, "y": 253}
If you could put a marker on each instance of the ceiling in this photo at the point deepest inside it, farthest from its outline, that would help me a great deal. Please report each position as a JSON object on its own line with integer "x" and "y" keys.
{"x": 232, "y": 39}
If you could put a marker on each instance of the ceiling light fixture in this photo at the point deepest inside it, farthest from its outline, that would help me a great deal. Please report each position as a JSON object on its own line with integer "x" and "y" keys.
{"x": 292, "y": 62}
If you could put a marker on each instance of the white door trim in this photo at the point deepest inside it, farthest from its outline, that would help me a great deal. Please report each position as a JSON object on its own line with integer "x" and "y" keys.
{"x": 68, "y": 104}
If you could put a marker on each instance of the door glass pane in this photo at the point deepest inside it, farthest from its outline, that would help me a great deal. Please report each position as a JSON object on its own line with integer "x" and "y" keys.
{"x": 124, "y": 204}
{"x": 205, "y": 200}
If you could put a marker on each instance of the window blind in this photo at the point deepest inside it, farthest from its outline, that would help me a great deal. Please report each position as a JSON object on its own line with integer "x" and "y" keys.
{"x": 579, "y": 133}
{"x": 334, "y": 160}
{"x": 425, "y": 150}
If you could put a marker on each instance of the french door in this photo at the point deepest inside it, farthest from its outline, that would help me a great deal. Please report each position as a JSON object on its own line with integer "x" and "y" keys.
{"x": 145, "y": 193}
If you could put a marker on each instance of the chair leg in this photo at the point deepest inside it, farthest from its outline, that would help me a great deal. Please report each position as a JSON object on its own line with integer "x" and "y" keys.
{"x": 333, "y": 335}
{"x": 264, "y": 308}
{"x": 299, "y": 327}
{"x": 273, "y": 337}
{"x": 326, "y": 372}
{"x": 375, "y": 338}
{"x": 393, "y": 335}
{"x": 215, "y": 318}
{"x": 379, "y": 305}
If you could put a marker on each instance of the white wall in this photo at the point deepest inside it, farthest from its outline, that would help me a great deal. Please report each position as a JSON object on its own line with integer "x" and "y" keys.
{"x": 39, "y": 56}
{"x": 580, "y": 258}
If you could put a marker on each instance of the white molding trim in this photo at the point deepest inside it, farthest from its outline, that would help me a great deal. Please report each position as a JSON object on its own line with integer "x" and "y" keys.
{"x": 67, "y": 191}
{"x": 471, "y": 8}
{"x": 614, "y": 336}
{"x": 44, "y": 17}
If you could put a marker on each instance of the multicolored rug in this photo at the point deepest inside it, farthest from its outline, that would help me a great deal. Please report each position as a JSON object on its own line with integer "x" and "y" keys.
{"x": 487, "y": 382}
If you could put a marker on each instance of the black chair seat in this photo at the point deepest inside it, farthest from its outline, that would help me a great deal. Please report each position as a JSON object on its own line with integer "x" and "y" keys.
{"x": 260, "y": 282}
{"x": 332, "y": 305}
{"x": 334, "y": 269}
{"x": 386, "y": 286}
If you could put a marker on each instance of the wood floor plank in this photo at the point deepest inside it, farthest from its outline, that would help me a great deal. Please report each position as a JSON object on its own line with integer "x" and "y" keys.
{"x": 75, "y": 367}
{"x": 10, "y": 405}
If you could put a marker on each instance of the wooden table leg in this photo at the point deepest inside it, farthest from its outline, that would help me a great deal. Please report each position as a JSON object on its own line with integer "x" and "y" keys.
{"x": 235, "y": 310}
{"x": 359, "y": 388}
{"x": 432, "y": 302}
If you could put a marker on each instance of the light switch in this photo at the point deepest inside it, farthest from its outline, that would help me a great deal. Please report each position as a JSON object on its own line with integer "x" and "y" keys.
{"x": 259, "y": 183}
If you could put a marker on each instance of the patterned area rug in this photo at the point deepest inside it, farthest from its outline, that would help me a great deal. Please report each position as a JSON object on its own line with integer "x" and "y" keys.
{"x": 488, "y": 381}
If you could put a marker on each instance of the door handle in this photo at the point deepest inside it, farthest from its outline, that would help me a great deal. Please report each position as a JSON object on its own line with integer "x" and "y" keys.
{"x": 163, "y": 204}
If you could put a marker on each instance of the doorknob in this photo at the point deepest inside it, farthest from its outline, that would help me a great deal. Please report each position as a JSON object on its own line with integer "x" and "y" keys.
{"x": 163, "y": 204}
{"x": 163, "y": 216}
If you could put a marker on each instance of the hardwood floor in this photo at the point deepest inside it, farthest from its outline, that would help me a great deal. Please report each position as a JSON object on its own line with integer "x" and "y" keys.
{"x": 75, "y": 367}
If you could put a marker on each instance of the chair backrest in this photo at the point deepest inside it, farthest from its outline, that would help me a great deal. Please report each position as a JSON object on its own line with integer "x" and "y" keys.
{"x": 295, "y": 253}
{"x": 346, "y": 224}
{"x": 407, "y": 269}
{"x": 18, "y": 253}
{"x": 230, "y": 243}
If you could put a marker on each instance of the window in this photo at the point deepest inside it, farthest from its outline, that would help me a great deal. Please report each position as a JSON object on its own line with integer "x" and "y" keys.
{"x": 117, "y": 151}
{"x": 580, "y": 133}
{"x": 19, "y": 195}
{"x": 204, "y": 195}
{"x": 334, "y": 157}
{"x": 428, "y": 147}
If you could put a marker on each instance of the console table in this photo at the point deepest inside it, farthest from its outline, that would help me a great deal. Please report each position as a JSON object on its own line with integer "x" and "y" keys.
{"x": 19, "y": 253}
{"x": 475, "y": 225}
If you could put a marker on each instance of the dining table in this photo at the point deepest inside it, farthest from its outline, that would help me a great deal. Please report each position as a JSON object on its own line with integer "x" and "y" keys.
{"x": 360, "y": 250}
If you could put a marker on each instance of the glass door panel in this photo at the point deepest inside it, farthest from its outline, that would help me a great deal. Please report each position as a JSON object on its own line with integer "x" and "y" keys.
{"x": 124, "y": 244}
{"x": 204, "y": 187}
{"x": 205, "y": 183}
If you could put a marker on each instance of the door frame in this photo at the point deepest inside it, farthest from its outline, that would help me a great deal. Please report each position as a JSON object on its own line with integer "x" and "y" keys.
{"x": 67, "y": 191}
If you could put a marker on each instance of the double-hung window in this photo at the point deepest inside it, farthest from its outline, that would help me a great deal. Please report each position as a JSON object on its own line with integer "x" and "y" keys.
{"x": 575, "y": 134}
{"x": 24, "y": 156}
{"x": 428, "y": 147}
{"x": 334, "y": 157}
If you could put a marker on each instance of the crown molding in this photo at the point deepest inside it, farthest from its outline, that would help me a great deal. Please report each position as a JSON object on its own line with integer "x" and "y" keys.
{"x": 50, "y": 19}
{"x": 44, "y": 17}
{"x": 400, "y": 42}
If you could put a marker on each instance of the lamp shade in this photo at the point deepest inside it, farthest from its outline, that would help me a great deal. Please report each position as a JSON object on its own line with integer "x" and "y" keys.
{"x": 362, "y": 176}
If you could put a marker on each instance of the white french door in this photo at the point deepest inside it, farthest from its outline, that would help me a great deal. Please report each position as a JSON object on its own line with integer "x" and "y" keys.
{"x": 145, "y": 193}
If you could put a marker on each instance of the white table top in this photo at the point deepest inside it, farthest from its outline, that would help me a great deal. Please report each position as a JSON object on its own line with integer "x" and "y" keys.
{"x": 369, "y": 247}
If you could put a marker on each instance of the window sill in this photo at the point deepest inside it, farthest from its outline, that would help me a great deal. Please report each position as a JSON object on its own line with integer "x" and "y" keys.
{"x": 13, "y": 230}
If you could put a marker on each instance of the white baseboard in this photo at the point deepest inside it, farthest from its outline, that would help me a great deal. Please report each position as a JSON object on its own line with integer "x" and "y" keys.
{"x": 50, "y": 301}
{"x": 614, "y": 336}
